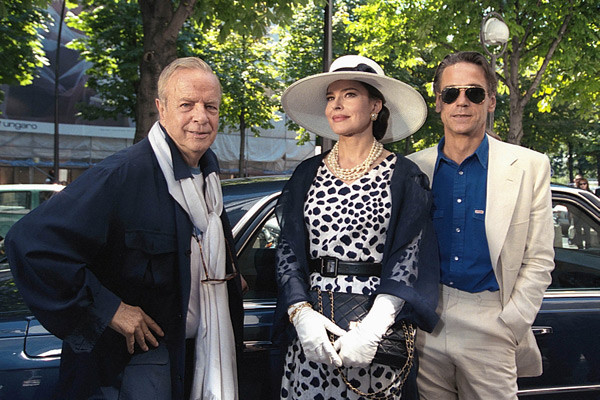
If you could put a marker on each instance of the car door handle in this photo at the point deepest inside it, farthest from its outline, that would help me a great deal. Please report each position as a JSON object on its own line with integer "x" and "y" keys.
{"x": 541, "y": 330}
{"x": 257, "y": 345}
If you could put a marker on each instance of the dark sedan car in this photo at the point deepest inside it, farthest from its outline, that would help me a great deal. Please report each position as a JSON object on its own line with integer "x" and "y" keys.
{"x": 567, "y": 326}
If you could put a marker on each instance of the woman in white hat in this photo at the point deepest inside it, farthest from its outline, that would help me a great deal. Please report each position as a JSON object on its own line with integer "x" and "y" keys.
{"x": 354, "y": 220}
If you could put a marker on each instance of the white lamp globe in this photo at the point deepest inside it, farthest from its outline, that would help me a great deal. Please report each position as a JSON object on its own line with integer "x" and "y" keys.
{"x": 495, "y": 32}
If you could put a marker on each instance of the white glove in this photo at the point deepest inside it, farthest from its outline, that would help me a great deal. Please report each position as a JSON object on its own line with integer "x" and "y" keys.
{"x": 358, "y": 347}
{"x": 312, "y": 330}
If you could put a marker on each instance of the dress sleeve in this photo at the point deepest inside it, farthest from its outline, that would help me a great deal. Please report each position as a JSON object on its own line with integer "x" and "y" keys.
{"x": 291, "y": 277}
{"x": 411, "y": 260}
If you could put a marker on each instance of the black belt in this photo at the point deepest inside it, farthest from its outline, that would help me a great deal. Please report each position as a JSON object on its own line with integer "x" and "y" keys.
{"x": 331, "y": 266}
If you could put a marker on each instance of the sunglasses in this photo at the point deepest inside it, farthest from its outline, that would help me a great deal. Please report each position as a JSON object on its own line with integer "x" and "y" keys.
{"x": 475, "y": 94}
{"x": 209, "y": 280}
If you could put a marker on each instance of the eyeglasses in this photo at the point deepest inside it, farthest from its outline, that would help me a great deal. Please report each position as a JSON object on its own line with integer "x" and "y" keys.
{"x": 475, "y": 94}
{"x": 213, "y": 281}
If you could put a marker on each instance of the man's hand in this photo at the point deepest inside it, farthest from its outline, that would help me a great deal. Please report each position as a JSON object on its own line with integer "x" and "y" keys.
{"x": 133, "y": 323}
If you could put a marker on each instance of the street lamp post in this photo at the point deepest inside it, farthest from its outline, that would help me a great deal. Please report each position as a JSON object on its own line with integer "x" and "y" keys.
{"x": 494, "y": 32}
{"x": 56, "y": 178}
{"x": 327, "y": 144}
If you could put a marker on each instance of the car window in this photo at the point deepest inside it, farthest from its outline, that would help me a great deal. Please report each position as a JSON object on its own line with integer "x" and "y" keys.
{"x": 17, "y": 201}
{"x": 13, "y": 205}
{"x": 576, "y": 247}
{"x": 257, "y": 259}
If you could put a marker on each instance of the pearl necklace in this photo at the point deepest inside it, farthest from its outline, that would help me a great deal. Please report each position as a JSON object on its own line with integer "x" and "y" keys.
{"x": 351, "y": 174}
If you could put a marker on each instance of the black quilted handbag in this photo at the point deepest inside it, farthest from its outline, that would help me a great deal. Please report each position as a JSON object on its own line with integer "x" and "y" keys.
{"x": 396, "y": 346}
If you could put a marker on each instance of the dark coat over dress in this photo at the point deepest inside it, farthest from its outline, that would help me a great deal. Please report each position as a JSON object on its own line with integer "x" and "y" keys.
{"x": 411, "y": 216}
{"x": 114, "y": 234}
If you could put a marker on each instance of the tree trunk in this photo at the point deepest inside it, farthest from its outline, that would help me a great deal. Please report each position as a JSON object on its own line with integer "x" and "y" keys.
{"x": 517, "y": 102}
{"x": 515, "y": 132}
{"x": 242, "y": 162}
{"x": 511, "y": 71}
{"x": 161, "y": 27}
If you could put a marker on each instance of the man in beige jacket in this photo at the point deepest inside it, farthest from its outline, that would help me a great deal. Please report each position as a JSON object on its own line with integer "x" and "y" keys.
{"x": 493, "y": 219}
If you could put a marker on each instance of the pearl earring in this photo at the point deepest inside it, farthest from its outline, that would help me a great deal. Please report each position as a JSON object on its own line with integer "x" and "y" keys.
{"x": 374, "y": 116}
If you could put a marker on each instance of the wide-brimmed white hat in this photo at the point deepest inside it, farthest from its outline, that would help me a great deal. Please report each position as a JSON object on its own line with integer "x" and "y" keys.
{"x": 305, "y": 101}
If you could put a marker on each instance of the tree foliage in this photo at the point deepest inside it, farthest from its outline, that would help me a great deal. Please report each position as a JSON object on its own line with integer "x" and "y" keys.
{"x": 548, "y": 74}
{"x": 251, "y": 87}
{"x": 549, "y": 77}
{"x": 300, "y": 46}
{"x": 21, "y": 42}
{"x": 156, "y": 43}
{"x": 551, "y": 57}
{"x": 113, "y": 51}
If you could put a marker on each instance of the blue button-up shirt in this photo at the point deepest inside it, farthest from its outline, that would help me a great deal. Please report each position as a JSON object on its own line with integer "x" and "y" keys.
{"x": 459, "y": 195}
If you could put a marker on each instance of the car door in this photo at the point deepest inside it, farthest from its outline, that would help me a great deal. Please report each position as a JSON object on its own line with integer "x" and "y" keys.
{"x": 567, "y": 327}
{"x": 257, "y": 237}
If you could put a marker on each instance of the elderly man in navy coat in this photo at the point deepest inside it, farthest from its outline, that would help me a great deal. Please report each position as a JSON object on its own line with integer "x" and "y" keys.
{"x": 133, "y": 260}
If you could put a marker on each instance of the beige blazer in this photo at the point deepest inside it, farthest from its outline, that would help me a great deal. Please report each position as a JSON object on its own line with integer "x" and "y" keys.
{"x": 519, "y": 229}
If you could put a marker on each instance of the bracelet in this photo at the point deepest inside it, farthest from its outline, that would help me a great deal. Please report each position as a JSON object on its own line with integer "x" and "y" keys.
{"x": 297, "y": 309}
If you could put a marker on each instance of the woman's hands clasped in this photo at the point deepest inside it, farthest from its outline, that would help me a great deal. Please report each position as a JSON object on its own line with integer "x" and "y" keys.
{"x": 358, "y": 346}
{"x": 353, "y": 348}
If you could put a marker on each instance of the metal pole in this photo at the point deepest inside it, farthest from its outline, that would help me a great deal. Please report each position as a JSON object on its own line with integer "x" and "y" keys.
{"x": 56, "y": 96}
{"x": 327, "y": 40}
{"x": 327, "y": 144}
{"x": 493, "y": 56}
{"x": 490, "y": 116}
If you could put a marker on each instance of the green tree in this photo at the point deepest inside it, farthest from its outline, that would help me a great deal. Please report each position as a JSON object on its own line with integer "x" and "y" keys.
{"x": 157, "y": 45}
{"x": 20, "y": 41}
{"x": 301, "y": 50}
{"x": 563, "y": 135}
{"x": 551, "y": 56}
{"x": 250, "y": 83}
{"x": 114, "y": 51}
{"x": 300, "y": 45}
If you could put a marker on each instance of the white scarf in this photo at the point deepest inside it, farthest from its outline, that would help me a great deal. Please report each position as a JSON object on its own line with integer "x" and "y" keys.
{"x": 215, "y": 375}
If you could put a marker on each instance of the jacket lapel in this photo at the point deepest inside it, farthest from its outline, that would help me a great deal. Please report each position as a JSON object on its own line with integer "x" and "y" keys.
{"x": 503, "y": 186}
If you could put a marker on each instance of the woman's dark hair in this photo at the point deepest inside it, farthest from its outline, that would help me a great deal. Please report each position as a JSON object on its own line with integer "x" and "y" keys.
{"x": 381, "y": 123}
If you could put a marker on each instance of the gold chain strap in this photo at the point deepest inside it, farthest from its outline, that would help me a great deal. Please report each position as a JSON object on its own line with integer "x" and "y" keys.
{"x": 409, "y": 334}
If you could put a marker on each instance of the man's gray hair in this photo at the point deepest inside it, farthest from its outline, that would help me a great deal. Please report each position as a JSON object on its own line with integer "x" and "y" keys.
{"x": 181, "y": 63}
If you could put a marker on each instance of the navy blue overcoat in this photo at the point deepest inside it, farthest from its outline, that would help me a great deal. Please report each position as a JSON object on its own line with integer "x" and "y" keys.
{"x": 114, "y": 234}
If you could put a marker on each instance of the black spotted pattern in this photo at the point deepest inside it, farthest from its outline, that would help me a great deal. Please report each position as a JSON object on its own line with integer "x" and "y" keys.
{"x": 347, "y": 221}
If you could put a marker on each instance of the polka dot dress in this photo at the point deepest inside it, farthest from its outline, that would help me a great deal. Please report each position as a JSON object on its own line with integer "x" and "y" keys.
{"x": 349, "y": 222}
